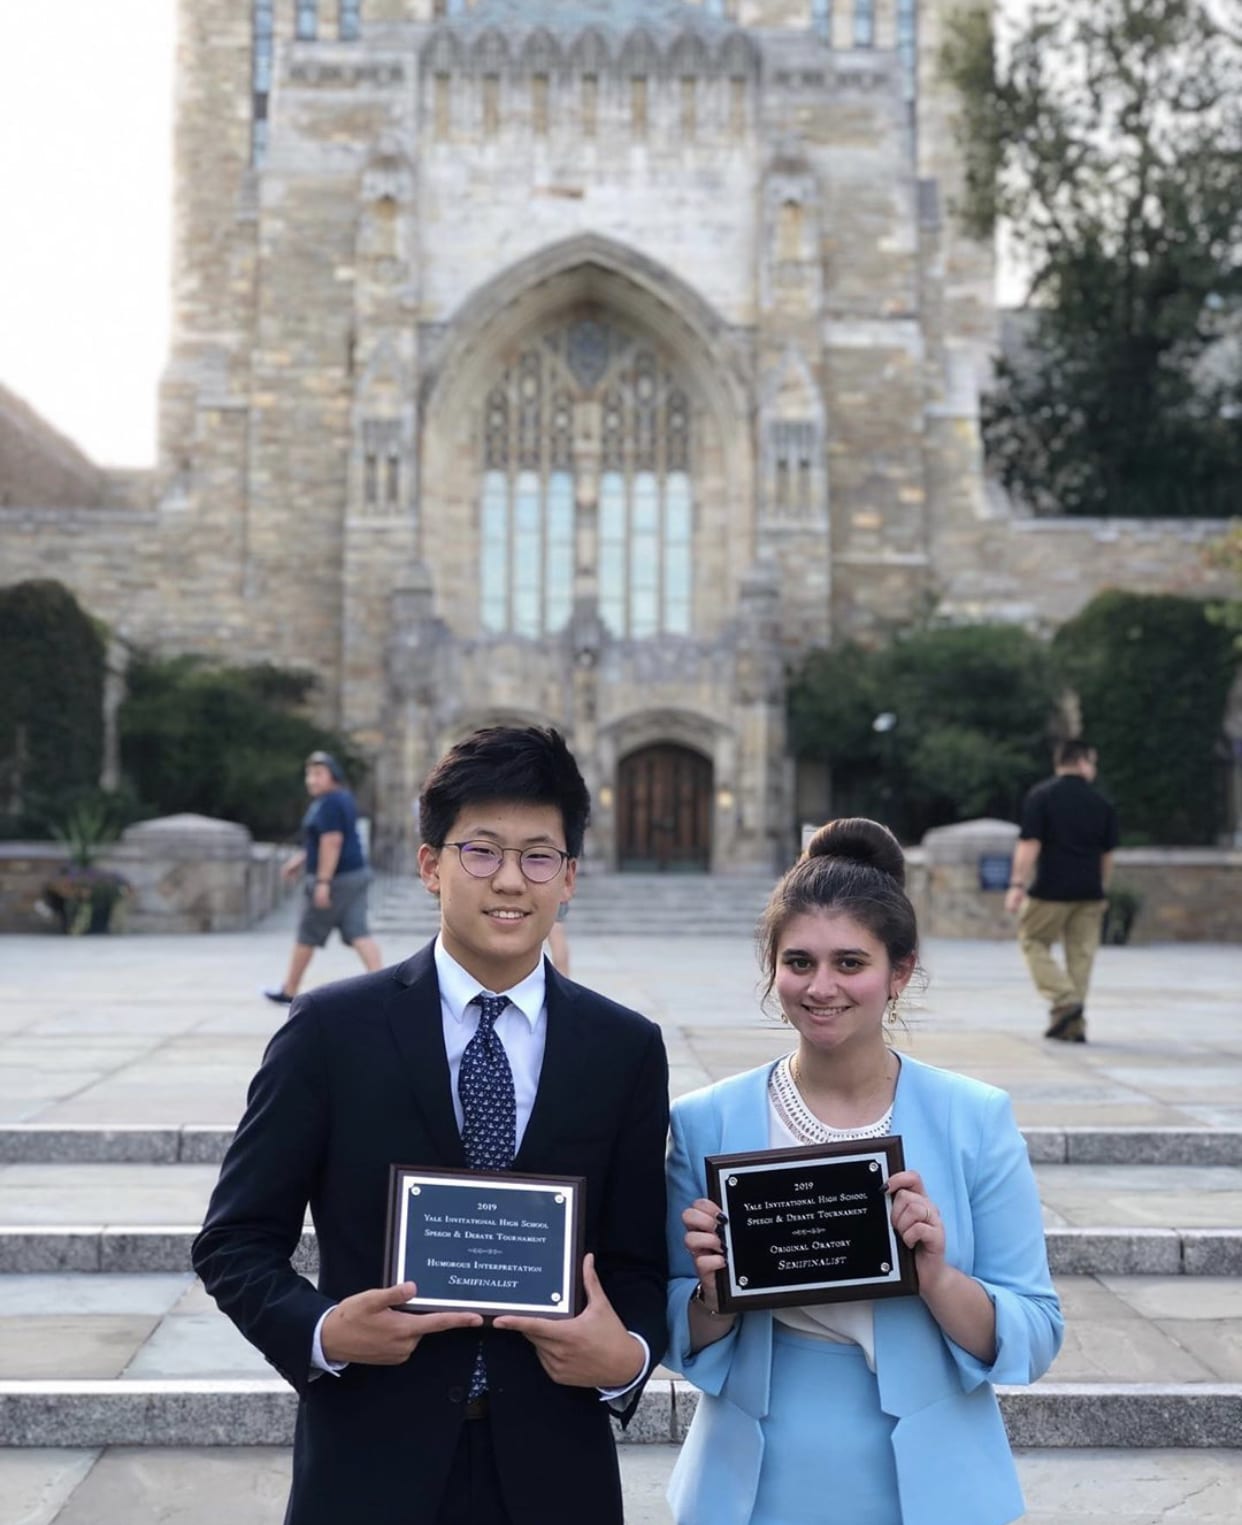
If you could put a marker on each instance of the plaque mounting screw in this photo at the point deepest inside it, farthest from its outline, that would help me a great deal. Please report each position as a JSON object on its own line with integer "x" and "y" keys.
{"x": 743, "y": 1281}
{"x": 559, "y": 1198}
{"x": 884, "y": 1266}
{"x": 732, "y": 1180}
{"x": 873, "y": 1166}
{"x": 416, "y": 1191}
{"x": 556, "y": 1297}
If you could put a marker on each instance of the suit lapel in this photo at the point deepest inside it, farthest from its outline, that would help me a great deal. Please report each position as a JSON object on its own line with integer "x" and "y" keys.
{"x": 913, "y": 1368}
{"x": 743, "y": 1129}
{"x": 744, "y": 1123}
{"x": 417, "y": 1027}
{"x": 562, "y": 1073}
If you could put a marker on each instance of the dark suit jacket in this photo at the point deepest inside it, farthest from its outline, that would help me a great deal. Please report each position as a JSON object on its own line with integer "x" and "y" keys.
{"x": 355, "y": 1081}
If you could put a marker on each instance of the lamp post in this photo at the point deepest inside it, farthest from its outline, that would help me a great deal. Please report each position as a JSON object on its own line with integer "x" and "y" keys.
{"x": 885, "y": 725}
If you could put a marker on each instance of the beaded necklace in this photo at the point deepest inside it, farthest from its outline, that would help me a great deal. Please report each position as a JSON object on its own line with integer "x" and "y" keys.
{"x": 802, "y": 1122}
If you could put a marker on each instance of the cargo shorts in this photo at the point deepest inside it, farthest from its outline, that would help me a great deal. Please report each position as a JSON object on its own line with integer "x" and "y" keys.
{"x": 347, "y": 913}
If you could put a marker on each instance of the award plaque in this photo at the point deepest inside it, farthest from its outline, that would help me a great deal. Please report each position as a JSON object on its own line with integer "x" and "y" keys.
{"x": 811, "y": 1225}
{"x": 478, "y": 1242}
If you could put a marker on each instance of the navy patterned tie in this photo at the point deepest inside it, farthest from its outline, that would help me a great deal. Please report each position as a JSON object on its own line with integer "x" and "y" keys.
{"x": 485, "y": 1086}
{"x": 489, "y": 1114}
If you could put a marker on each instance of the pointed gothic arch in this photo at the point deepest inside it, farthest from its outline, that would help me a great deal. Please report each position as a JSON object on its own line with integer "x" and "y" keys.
{"x": 571, "y": 397}
{"x": 585, "y": 264}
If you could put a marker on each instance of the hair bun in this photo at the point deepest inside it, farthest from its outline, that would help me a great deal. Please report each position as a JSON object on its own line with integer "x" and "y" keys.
{"x": 854, "y": 839}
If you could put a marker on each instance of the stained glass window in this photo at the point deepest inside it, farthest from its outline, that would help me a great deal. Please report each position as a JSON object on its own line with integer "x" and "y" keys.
{"x": 793, "y": 469}
{"x": 645, "y": 515}
{"x": 349, "y": 23}
{"x": 539, "y": 103}
{"x": 638, "y": 105}
{"x": 864, "y": 23}
{"x": 262, "y": 30}
{"x": 308, "y": 20}
{"x": 908, "y": 44}
{"x": 821, "y": 18}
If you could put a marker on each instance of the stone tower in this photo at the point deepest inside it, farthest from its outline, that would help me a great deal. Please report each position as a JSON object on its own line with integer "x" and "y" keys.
{"x": 572, "y": 361}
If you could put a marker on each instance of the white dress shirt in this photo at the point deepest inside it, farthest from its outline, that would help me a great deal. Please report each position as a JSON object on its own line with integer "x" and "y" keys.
{"x": 523, "y": 1032}
{"x": 522, "y": 1028}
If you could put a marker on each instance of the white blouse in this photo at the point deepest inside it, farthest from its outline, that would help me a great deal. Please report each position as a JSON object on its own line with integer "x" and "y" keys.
{"x": 791, "y": 1124}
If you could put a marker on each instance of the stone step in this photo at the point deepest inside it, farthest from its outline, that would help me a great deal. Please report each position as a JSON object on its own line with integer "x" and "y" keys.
{"x": 29, "y": 1249}
{"x": 260, "y": 1412}
{"x": 1117, "y": 1197}
{"x": 203, "y": 1485}
{"x": 205, "y": 1144}
{"x": 110, "y": 1326}
{"x": 610, "y": 904}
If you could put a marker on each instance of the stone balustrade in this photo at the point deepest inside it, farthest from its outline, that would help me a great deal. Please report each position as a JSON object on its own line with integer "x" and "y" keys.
{"x": 189, "y": 873}
{"x": 1186, "y": 894}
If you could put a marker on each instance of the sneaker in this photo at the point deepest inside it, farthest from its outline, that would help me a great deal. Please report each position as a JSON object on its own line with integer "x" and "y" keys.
{"x": 278, "y": 996}
{"x": 1068, "y": 1025}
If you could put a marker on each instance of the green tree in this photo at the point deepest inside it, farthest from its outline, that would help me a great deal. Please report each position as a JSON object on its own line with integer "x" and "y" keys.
{"x": 1226, "y": 556}
{"x": 223, "y": 741}
{"x": 971, "y": 710}
{"x": 52, "y": 656}
{"x": 1106, "y": 139}
{"x": 1153, "y": 674}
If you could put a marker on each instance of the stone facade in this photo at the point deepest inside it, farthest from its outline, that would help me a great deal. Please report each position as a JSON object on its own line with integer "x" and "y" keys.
{"x": 572, "y": 362}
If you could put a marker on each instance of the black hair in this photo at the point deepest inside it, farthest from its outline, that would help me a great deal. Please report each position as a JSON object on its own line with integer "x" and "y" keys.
{"x": 853, "y": 867}
{"x": 326, "y": 760}
{"x": 527, "y": 765}
{"x": 1074, "y": 749}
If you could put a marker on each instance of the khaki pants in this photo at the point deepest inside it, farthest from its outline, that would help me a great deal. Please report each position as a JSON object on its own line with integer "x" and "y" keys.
{"x": 1076, "y": 923}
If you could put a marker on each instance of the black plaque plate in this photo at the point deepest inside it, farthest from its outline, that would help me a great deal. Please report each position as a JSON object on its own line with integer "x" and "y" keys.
{"x": 486, "y": 1243}
{"x": 810, "y": 1225}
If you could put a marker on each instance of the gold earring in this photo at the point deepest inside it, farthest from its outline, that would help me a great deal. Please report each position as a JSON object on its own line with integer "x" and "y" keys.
{"x": 893, "y": 1014}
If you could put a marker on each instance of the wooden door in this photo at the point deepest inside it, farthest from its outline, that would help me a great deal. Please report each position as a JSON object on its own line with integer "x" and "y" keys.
{"x": 664, "y": 805}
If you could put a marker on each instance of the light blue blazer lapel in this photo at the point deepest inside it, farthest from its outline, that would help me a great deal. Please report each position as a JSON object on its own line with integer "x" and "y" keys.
{"x": 912, "y": 1366}
{"x": 744, "y": 1127}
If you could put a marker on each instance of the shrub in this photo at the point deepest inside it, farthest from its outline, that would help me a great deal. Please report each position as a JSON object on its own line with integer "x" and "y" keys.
{"x": 223, "y": 741}
{"x": 53, "y": 656}
{"x": 973, "y": 707}
{"x": 1152, "y": 674}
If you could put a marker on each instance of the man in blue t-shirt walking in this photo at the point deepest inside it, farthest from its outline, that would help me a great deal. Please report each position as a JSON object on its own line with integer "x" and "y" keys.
{"x": 336, "y": 872}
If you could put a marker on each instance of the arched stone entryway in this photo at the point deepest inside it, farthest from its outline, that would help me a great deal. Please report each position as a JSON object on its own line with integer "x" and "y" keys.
{"x": 664, "y": 810}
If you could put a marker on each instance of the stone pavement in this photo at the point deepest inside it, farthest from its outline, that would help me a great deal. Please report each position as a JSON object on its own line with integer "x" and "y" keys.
{"x": 123, "y": 1066}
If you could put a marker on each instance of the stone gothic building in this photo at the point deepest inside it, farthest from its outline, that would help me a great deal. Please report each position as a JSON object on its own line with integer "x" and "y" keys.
{"x": 571, "y": 361}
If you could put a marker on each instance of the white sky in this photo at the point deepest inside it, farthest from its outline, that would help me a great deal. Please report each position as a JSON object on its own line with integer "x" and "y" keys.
{"x": 85, "y": 204}
{"x": 86, "y": 91}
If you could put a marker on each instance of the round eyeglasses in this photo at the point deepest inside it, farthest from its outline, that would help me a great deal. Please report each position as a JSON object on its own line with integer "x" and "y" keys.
{"x": 482, "y": 860}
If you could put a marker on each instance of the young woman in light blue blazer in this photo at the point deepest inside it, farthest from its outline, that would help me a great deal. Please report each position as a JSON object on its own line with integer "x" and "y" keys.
{"x": 859, "y": 1413}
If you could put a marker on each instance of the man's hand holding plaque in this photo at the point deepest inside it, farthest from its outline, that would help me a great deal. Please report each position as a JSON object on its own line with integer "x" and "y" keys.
{"x": 368, "y": 1329}
{"x": 592, "y": 1350}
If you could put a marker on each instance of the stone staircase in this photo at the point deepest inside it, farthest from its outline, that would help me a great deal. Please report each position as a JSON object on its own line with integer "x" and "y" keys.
{"x": 666, "y": 905}
{"x": 107, "y": 1340}
{"x": 126, "y": 1399}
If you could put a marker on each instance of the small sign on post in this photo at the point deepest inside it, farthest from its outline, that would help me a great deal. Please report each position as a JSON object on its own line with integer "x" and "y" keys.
{"x": 994, "y": 871}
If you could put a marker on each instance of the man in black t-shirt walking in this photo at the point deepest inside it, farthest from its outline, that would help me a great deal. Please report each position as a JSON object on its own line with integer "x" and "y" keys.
{"x": 1067, "y": 837}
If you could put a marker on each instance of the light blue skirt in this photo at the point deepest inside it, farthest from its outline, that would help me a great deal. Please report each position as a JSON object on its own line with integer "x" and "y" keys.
{"x": 827, "y": 1443}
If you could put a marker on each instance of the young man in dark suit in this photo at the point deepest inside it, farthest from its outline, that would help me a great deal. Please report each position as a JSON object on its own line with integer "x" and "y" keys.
{"x": 473, "y": 1053}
